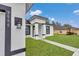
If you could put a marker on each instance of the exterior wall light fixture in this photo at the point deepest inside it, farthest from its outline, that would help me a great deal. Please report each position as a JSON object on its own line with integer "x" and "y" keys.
{"x": 18, "y": 22}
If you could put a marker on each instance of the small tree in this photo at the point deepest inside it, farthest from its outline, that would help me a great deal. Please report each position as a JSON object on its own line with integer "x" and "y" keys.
{"x": 56, "y": 23}
{"x": 67, "y": 26}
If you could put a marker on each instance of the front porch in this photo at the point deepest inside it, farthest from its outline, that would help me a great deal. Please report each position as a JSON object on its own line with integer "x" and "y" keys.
{"x": 38, "y": 27}
{"x": 37, "y": 30}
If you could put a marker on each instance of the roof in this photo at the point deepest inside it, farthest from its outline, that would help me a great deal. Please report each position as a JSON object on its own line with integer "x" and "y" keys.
{"x": 28, "y": 22}
{"x": 38, "y": 17}
{"x": 63, "y": 28}
{"x": 59, "y": 28}
{"x": 75, "y": 28}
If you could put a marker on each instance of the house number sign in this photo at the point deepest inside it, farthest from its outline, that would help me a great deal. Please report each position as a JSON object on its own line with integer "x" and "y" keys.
{"x": 8, "y": 21}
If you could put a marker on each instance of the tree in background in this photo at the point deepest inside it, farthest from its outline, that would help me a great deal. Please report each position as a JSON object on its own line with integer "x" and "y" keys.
{"x": 67, "y": 26}
{"x": 56, "y": 24}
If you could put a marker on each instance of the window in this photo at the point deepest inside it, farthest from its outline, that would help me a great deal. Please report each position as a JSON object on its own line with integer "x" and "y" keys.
{"x": 47, "y": 29}
{"x": 27, "y": 30}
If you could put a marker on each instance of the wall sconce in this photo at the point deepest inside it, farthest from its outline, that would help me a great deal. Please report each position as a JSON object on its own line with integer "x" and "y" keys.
{"x": 18, "y": 22}
{"x": 18, "y": 26}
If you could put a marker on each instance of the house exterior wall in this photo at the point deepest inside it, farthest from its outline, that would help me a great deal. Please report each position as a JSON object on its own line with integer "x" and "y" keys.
{"x": 38, "y": 21}
{"x": 17, "y": 35}
{"x": 75, "y": 31}
{"x": 60, "y": 31}
{"x": 65, "y": 31}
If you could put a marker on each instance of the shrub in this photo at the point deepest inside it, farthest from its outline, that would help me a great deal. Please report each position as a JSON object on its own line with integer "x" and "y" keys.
{"x": 71, "y": 33}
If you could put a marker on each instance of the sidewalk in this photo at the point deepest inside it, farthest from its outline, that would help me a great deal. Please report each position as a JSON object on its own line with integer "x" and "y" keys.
{"x": 70, "y": 48}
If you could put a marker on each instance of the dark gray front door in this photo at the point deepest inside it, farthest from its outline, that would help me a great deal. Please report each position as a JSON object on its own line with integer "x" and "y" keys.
{"x": 6, "y": 15}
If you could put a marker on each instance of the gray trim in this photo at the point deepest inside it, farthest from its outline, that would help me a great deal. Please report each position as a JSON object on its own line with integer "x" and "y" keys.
{"x": 37, "y": 35}
{"x": 43, "y": 34}
{"x": 18, "y": 51}
{"x": 7, "y": 11}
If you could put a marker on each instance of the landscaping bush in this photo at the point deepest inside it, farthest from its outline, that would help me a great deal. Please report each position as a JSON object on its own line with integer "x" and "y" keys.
{"x": 71, "y": 33}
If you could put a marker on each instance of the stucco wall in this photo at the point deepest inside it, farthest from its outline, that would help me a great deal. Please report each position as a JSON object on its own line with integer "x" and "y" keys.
{"x": 17, "y": 35}
{"x": 60, "y": 31}
{"x": 76, "y": 31}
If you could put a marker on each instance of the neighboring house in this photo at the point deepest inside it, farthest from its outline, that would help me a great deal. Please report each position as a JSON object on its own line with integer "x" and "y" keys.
{"x": 38, "y": 27}
{"x": 12, "y": 28}
{"x": 62, "y": 30}
{"x": 75, "y": 30}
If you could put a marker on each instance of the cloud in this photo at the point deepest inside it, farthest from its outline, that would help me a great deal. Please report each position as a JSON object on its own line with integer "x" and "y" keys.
{"x": 68, "y": 3}
{"x": 51, "y": 18}
{"x": 76, "y": 12}
{"x": 36, "y": 12}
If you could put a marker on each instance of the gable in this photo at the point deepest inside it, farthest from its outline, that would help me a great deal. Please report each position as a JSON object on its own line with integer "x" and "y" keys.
{"x": 38, "y": 21}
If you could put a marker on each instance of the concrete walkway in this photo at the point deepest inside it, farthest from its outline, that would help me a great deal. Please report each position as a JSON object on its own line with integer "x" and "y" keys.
{"x": 76, "y": 53}
{"x": 70, "y": 48}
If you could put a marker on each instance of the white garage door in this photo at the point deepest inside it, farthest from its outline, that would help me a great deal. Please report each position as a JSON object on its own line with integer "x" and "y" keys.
{"x": 2, "y": 33}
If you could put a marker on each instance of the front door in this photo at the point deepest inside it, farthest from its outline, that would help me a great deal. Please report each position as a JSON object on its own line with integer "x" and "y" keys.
{"x": 2, "y": 33}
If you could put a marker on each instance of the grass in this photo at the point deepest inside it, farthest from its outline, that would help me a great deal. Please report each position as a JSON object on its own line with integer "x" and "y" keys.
{"x": 40, "y": 48}
{"x": 72, "y": 40}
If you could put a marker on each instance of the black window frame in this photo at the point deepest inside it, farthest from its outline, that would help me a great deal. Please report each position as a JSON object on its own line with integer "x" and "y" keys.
{"x": 28, "y": 30}
{"x": 47, "y": 29}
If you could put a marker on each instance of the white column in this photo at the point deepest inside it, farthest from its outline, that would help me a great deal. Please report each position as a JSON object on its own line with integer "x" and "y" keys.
{"x": 51, "y": 30}
{"x": 36, "y": 32}
{"x": 31, "y": 30}
{"x": 44, "y": 31}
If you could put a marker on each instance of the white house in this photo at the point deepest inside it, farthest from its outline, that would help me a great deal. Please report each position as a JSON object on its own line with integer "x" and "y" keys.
{"x": 38, "y": 27}
{"x": 12, "y": 28}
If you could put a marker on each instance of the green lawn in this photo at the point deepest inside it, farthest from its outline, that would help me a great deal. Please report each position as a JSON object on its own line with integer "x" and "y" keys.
{"x": 72, "y": 40}
{"x": 40, "y": 48}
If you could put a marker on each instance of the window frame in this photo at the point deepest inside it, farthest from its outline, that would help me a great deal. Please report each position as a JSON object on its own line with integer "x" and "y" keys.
{"x": 47, "y": 29}
{"x": 28, "y": 30}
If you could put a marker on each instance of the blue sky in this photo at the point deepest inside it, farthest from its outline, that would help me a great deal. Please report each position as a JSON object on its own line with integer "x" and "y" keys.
{"x": 64, "y": 13}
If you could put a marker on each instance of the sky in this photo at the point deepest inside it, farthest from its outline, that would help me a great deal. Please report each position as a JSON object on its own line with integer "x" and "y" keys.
{"x": 64, "y": 13}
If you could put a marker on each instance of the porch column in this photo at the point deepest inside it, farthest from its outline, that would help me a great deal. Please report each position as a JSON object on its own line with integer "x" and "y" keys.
{"x": 44, "y": 30}
{"x": 31, "y": 30}
{"x": 51, "y": 30}
{"x": 36, "y": 30}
